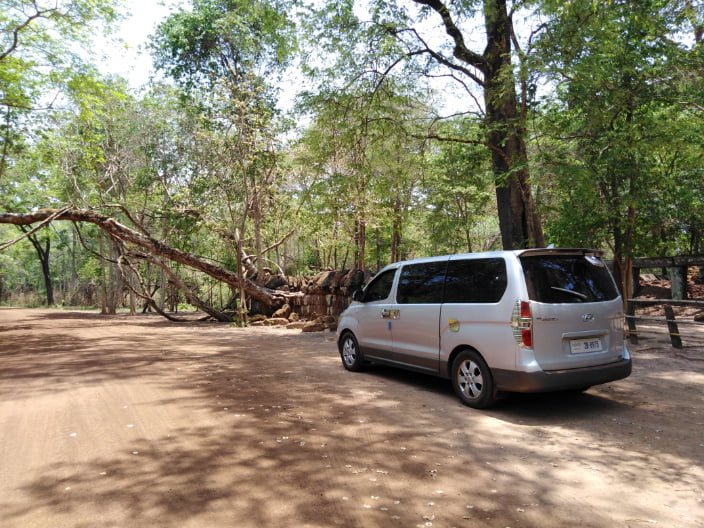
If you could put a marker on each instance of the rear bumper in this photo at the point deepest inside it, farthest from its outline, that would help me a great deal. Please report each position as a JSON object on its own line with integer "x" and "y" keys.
{"x": 554, "y": 380}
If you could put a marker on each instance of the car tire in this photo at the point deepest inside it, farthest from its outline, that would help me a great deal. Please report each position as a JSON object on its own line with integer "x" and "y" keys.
{"x": 472, "y": 380}
{"x": 350, "y": 354}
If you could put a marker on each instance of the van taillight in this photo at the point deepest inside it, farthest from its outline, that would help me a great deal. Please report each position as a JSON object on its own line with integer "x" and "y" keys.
{"x": 522, "y": 322}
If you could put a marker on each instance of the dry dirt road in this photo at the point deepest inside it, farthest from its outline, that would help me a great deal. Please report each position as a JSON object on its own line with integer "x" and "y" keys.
{"x": 136, "y": 422}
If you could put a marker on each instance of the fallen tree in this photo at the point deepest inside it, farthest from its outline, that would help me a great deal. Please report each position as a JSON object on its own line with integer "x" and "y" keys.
{"x": 125, "y": 235}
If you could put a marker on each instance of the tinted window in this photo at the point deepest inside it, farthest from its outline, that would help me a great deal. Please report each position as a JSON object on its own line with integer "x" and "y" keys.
{"x": 380, "y": 287}
{"x": 421, "y": 283}
{"x": 568, "y": 279}
{"x": 475, "y": 281}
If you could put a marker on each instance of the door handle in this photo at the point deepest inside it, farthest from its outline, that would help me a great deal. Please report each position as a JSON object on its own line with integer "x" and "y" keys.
{"x": 386, "y": 313}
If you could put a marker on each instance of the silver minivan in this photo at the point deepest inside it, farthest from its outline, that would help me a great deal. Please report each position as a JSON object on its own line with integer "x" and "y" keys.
{"x": 508, "y": 321}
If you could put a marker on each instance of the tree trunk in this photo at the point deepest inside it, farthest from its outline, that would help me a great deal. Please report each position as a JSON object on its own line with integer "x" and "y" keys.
{"x": 47, "y": 275}
{"x": 242, "y": 308}
{"x": 334, "y": 245}
{"x": 396, "y": 231}
{"x": 103, "y": 276}
{"x": 377, "y": 249}
{"x": 257, "y": 219}
{"x": 360, "y": 238}
{"x": 518, "y": 220}
{"x": 113, "y": 288}
{"x": 43, "y": 253}
{"x": 73, "y": 283}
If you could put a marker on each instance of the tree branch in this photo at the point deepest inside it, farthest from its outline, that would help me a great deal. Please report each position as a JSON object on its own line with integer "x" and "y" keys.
{"x": 281, "y": 241}
{"x": 461, "y": 51}
{"x": 97, "y": 255}
{"x": 426, "y": 49}
{"x": 30, "y": 232}
{"x": 122, "y": 259}
{"x": 449, "y": 139}
{"x": 16, "y": 32}
{"x": 190, "y": 295}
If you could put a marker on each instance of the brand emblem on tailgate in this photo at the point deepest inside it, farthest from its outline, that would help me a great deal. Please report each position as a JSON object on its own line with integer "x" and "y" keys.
{"x": 587, "y": 317}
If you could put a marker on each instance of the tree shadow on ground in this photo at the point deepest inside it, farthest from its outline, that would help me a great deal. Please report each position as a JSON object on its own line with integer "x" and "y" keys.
{"x": 304, "y": 442}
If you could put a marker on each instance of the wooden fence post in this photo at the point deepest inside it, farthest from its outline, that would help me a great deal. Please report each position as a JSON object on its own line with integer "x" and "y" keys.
{"x": 678, "y": 275}
{"x": 675, "y": 337}
{"x": 630, "y": 312}
{"x": 635, "y": 282}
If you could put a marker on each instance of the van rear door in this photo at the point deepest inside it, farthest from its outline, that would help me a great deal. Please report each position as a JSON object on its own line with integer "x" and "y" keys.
{"x": 577, "y": 312}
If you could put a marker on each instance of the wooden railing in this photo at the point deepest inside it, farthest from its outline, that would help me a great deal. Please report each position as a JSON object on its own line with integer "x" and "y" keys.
{"x": 672, "y": 323}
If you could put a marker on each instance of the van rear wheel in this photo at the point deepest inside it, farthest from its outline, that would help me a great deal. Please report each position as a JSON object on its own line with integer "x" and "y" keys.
{"x": 472, "y": 380}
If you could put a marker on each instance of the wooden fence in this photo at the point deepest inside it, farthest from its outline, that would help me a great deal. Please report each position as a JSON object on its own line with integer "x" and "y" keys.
{"x": 669, "y": 319}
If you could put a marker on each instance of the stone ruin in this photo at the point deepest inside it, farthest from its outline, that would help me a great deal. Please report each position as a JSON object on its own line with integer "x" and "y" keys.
{"x": 324, "y": 297}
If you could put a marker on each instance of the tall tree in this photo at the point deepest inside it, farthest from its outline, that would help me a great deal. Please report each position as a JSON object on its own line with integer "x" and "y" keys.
{"x": 395, "y": 37}
{"x": 625, "y": 134}
{"x": 227, "y": 56}
{"x": 43, "y": 248}
{"x": 360, "y": 165}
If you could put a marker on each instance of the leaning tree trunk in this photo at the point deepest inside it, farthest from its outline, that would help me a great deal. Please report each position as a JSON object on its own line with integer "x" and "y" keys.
{"x": 266, "y": 296}
{"x": 518, "y": 220}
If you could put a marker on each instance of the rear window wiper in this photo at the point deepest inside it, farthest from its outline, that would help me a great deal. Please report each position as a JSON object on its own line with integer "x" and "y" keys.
{"x": 570, "y": 292}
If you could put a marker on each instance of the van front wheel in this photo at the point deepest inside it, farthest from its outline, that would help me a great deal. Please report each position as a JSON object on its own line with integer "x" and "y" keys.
{"x": 352, "y": 358}
{"x": 472, "y": 380}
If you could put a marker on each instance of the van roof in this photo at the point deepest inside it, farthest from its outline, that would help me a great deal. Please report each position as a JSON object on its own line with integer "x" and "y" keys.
{"x": 560, "y": 251}
{"x": 516, "y": 252}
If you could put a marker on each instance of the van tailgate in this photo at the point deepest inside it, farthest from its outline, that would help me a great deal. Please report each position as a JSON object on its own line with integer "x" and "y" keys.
{"x": 569, "y": 336}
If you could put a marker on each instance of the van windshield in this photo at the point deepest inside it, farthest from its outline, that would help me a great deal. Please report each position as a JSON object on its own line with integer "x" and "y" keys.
{"x": 568, "y": 279}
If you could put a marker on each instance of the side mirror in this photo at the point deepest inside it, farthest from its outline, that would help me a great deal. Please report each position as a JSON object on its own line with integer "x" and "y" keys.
{"x": 358, "y": 295}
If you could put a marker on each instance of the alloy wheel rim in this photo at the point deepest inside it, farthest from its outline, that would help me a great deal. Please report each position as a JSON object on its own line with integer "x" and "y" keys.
{"x": 348, "y": 351}
{"x": 470, "y": 380}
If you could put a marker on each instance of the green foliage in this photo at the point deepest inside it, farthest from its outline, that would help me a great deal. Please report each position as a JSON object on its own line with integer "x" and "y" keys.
{"x": 459, "y": 192}
{"x": 360, "y": 168}
{"x": 39, "y": 44}
{"x": 622, "y": 137}
{"x": 227, "y": 56}
{"x": 224, "y": 38}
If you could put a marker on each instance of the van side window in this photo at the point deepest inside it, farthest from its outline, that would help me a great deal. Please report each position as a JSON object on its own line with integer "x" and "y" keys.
{"x": 380, "y": 287}
{"x": 421, "y": 283}
{"x": 475, "y": 281}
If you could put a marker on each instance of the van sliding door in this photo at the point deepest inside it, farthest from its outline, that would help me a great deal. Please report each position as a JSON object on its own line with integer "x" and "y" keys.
{"x": 416, "y": 333}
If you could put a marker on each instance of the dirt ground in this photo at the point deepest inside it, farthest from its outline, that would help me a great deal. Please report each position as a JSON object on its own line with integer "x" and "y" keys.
{"x": 136, "y": 422}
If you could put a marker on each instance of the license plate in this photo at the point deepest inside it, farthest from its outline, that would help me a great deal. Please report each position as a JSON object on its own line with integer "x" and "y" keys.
{"x": 582, "y": 346}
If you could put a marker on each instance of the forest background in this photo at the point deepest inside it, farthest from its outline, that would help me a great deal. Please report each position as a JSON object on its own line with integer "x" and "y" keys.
{"x": 424, "y": 127}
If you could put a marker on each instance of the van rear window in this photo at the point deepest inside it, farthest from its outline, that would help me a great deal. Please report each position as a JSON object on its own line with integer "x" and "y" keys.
{"x": 568, "y": 279}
